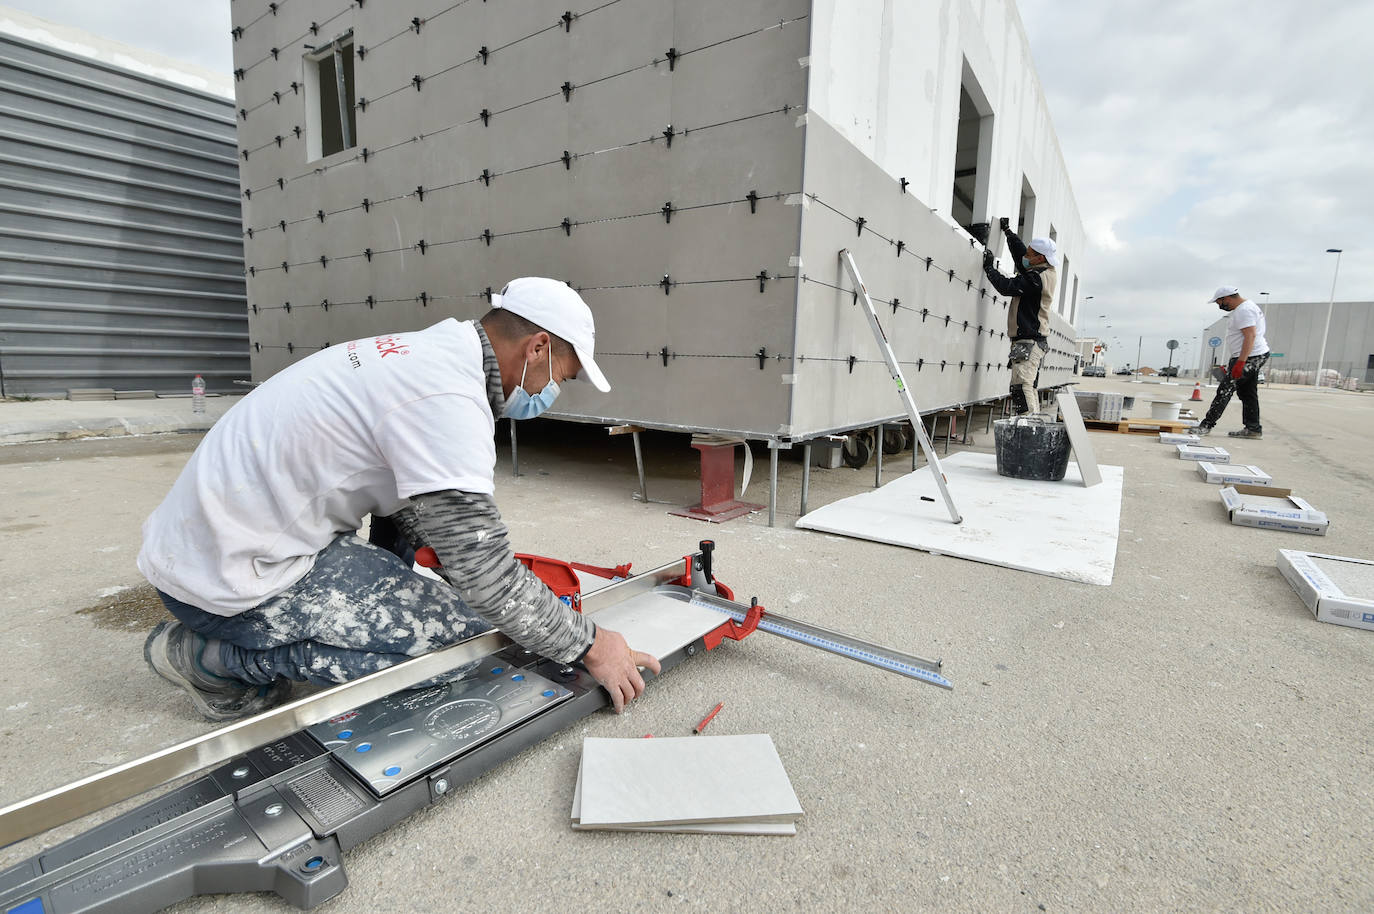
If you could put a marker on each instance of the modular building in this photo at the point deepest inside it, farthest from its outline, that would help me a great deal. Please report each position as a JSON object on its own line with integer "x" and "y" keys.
{"x": 692, "y": 167}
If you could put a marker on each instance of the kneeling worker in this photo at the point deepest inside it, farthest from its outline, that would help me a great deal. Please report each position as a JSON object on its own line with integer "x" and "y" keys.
{"x": 1028, "y": 316}
{"x": 254, "y": 551}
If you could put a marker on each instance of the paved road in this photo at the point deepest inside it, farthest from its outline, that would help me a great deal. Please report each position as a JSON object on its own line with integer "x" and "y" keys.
{"x": 1186, "y": 739}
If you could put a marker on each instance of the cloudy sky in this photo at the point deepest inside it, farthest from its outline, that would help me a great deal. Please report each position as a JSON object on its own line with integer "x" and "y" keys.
{"x": 1208, "y": 141}
{"x": 1211, "y": 142}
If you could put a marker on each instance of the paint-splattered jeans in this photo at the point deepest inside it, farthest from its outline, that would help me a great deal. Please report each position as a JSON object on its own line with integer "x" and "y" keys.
{"x": 359, "y": 610}
{"x": 1246, "y": 387}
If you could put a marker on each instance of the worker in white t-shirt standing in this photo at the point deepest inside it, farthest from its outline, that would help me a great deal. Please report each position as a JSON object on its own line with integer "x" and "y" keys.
{"x": 255, "y": 552}
{"x": 1249, "y": 351}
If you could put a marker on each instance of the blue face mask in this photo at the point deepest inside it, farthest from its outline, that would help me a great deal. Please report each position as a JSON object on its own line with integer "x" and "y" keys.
{"x": 520, "y": 405}
{"x": 1025, "y": 262}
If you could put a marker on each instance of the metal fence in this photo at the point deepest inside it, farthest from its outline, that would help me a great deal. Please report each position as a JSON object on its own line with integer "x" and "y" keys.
{"x": 121, "y": 254}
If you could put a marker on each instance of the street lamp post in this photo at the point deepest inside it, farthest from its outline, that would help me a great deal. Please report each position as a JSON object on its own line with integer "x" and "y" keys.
{"x": 1330, "y": 303}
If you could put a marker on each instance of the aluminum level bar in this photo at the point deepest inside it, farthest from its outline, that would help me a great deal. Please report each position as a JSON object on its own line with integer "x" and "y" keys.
{"x": 903, "y": 391}
{"x": 51, "y": 808}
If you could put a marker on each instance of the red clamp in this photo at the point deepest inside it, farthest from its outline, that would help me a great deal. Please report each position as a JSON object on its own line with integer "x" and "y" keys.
{"x": 560, "y": 577}
{"x": 735, "y": 631}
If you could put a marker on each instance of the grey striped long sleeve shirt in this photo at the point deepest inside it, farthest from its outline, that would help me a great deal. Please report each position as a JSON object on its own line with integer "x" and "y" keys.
{"x": 466, "y": 532}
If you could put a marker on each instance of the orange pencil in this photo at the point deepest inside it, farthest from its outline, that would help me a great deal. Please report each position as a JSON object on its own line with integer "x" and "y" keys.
{"x": 707, "y": 719}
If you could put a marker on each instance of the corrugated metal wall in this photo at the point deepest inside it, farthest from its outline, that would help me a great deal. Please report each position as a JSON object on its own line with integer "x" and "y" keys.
{"x": 121, "y": 253}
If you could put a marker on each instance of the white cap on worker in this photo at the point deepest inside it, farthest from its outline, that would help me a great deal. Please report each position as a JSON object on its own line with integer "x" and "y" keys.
{"x": 1048, "y": 248}
{"x": 557, "y": 308}
{"x": 1223, "y": 292}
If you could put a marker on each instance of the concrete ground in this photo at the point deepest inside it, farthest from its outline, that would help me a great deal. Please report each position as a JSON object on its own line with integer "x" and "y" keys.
{"x": 1189, "y": 738}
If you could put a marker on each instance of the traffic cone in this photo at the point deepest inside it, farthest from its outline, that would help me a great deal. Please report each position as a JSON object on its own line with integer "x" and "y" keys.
{"x": 1197, "y": 391}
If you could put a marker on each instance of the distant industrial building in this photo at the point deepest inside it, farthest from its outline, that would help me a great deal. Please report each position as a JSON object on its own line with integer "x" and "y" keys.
{"x": 1295, "y": 339}
{"x": 121, "y": 254}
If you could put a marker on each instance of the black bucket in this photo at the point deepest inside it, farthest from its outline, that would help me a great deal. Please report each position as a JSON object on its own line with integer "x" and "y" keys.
{"x": 1031, "y": 448}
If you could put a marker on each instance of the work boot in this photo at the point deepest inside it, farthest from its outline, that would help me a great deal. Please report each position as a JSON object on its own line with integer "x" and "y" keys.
{"x": 1202, "y": 431}
{"x": 1246, "y": 433}
{"x": 175, "y": 653}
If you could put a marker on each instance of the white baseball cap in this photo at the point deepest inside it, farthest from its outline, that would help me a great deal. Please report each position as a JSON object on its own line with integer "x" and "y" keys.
{"x": 1223, "y": 292}
{"x": 1048, "y": 248}
{"x": 557, "y": 308}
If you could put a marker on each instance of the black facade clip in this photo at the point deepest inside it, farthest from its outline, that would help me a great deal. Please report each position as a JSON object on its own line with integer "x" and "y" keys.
{"x": 273, "y": 8}
{"x": 248, "y": 193}
{"x": 671, "y": 55}
{"x": 860, "y": 223}
{"x": 417, "y": 81}
{"x": 371, "y": 302}
{"x": 324, "y": 262}
{"x": 325, "y": 304}
{"x": 290, "y": 347}
{"x": 666, "y": 283}
{"x": 901, "y": 246}
{"x": 947, "y": 319}
{"x": 362, "y": 52}
{"x": 278, "y": 138}
{"x": 753, "y": 198}
{"x": 276, "y": 97}
{"x": 966, "y": 326}
{"x": 250, "y": 234}
{"x": 567, "y": 88}
{"x": 567, "y": 20}
{"x": 362, "y": 106}
{"x": 668, "y": 135}
{"x": 929, "y": 260}
{"x": 483, "y": 53}
{"x": 367, "y": 252}
{"x": 896, "y": 303}
{"x": 667, "y": 211}
{"x": 417, "y": 23}
{"x": 285, "y": 267}
{"x": 243, "y": 113}
{"x": 314, "y": 28}
{"x": 567, "y": 226}
{"x": 487, "y": 236}
{"x": 762, "y": 356}
{"x": 286, "y": 306}
{"x": 245, "y": 155}
{"x": 367, "y": 205}
{"x": 281, "y": 223}
{"x": 319, "y": 214}
{"x": 905, "y": 182}
{"x": 253, "y": 271}
{"x": 763, "y": 279}
{"x": 238, "y": 75}
{"x": 485, "y": 115}
{"x": 664, "y": 353}
{"x": 951, "y": 274}
{"x": 424, "y": 299}
{"x": 237, "y": 32}
{"x": 255, "y": 311}
{"x": 567, "y": 160}
{"x": 420, "y": 192}
{"x": 421, "y": 244}
{"x": 852, "y": 360}
{"x": 365, "y": 154}
{"x": 486, "y": 176}
{"x": 942, "y": 365}
{"x": 920, "y": 363}
{"x": 968, "y": 284}
{"x": 281, "y": 184}
{"x": 487, "y": 294}
{"x": 275, "y": 53}
{"x": 295, "y": 88}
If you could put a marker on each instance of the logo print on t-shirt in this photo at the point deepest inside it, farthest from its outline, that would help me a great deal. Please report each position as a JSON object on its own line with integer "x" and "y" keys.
{"x": 391, "y": 345}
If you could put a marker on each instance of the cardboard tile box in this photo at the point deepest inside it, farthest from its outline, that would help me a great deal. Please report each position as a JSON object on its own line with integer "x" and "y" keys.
{"x": 1337, "y": 589}
{"x": 1229, "y": 474}
{"x": 1178, "y": 438}
{"x": 1272, "y": 508}
{"x": 1208, "y": 452}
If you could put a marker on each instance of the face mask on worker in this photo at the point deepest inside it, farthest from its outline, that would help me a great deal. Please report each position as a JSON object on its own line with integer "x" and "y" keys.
{"x": 520, "y": 405}
{"x": 1025, "y": 261}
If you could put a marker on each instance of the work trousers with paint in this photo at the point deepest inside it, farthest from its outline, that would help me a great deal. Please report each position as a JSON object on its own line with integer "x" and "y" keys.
{"x": 1247, "y": 388}
{"x": 1026, "y": 356}
{"x": 360, "y": 609}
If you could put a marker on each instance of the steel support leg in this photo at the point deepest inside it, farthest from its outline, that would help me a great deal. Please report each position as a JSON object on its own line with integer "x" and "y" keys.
{"x": 806, "y": 476}
{"x": 772, "y": 482}
{"x": 639, "y": 464}
{"x": 514, "y": 455}
{"x": 877, "y": 456}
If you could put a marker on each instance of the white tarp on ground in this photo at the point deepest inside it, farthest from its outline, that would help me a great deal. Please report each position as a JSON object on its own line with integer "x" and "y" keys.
{"x": 1058, "y": 529}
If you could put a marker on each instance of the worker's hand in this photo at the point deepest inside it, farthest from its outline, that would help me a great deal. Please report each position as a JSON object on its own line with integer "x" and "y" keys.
{"x": 988, "y": 260}
{"x": 616, "y": 667}
{"x": 1004, "y": 223}
{"x": 1238, "y": 369}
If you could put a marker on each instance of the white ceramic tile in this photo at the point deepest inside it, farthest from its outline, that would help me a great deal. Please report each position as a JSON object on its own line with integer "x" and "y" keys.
{"x": 695, "y": 780}
{"x": 1078, "y": 437}
{"x": 1060, "y": 529}
{"x": 658, "y": 624}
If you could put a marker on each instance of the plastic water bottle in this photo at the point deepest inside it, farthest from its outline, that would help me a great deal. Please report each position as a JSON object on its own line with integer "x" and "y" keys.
{"x": 198, "y": 395}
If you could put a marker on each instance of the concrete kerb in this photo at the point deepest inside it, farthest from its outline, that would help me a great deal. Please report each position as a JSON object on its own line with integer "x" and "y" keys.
{"x": 30, "y": 421}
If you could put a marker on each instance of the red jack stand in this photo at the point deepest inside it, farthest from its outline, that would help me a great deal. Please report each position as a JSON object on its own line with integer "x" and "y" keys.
{"x": 718, "y": 503}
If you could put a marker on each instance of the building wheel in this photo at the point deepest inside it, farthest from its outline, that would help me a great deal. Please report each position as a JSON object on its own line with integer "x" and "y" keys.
{"x": 857, "y": 450}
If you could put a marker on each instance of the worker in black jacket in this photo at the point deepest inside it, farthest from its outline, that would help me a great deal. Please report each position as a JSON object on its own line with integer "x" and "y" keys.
{"x": 1028, "y": 317}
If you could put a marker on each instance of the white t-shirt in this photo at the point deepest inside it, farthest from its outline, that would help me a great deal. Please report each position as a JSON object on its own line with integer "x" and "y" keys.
{"x": 352, "y": 430}
{"x": 1246, "y": 314}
